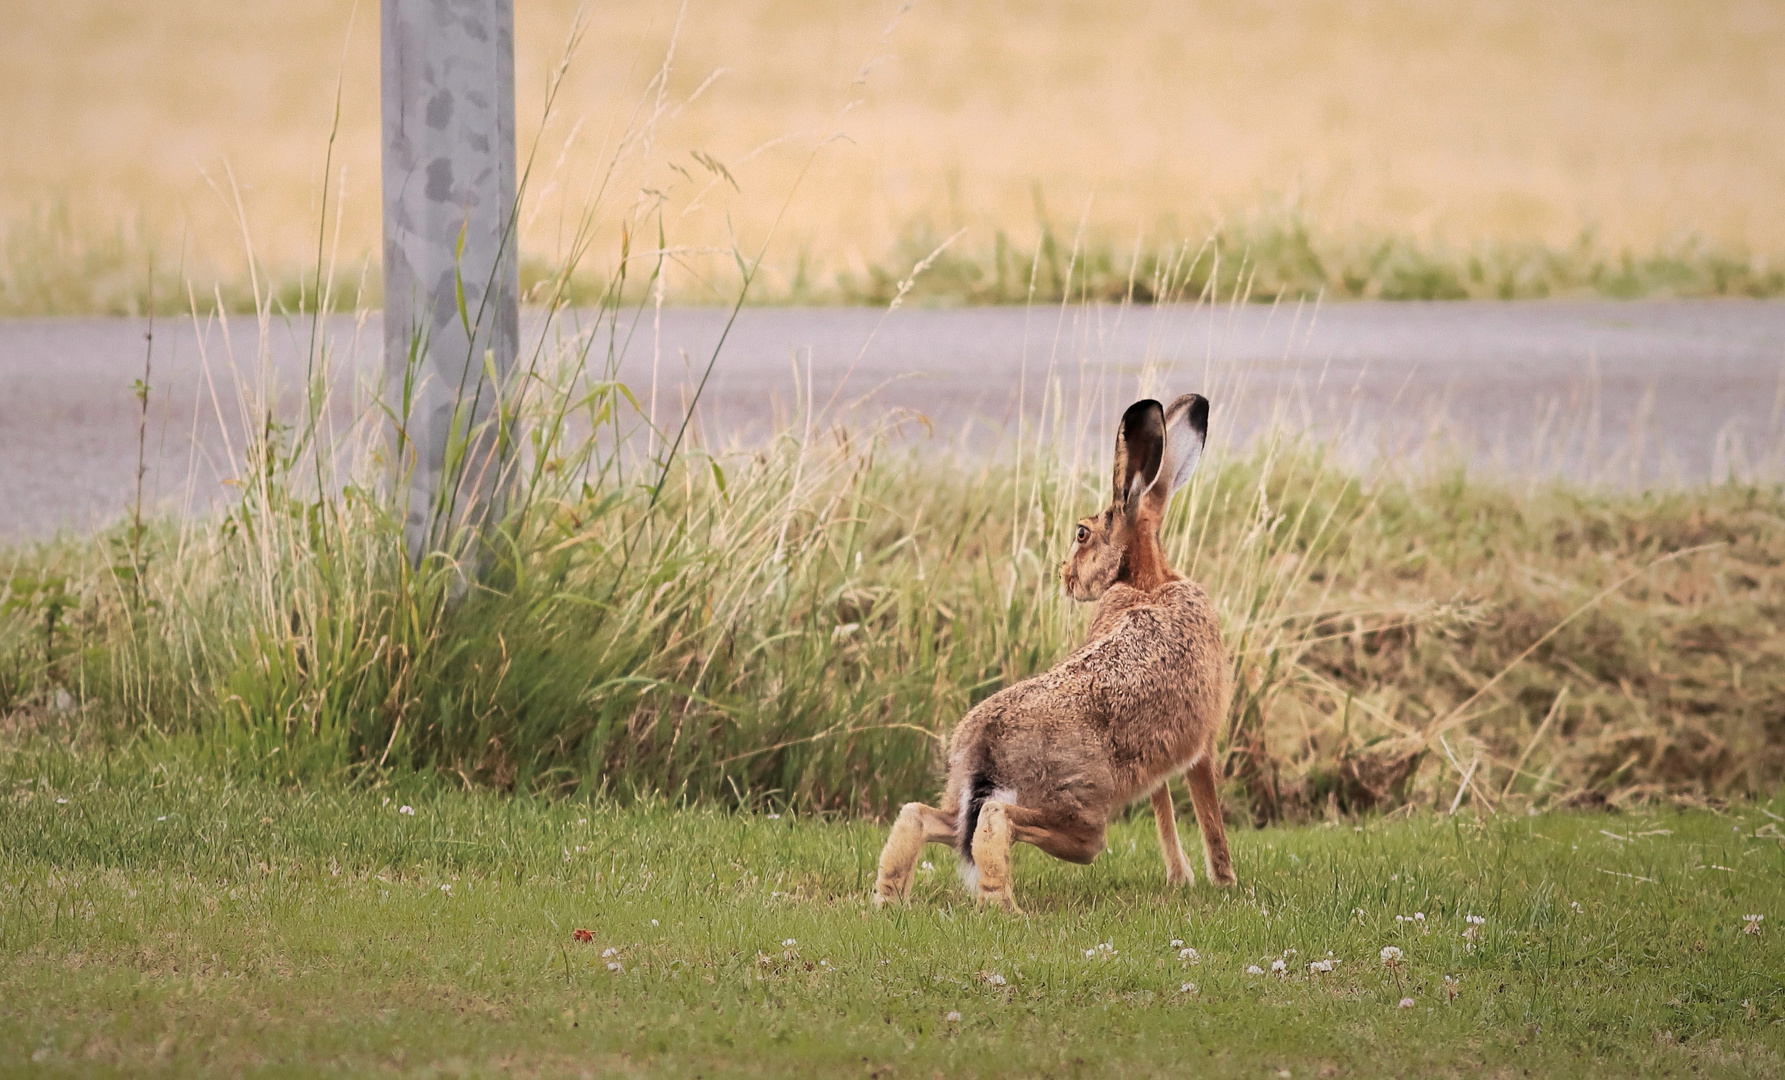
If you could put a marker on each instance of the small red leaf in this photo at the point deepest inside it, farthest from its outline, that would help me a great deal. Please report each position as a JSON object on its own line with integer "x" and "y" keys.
{"x": 582, "y": 935}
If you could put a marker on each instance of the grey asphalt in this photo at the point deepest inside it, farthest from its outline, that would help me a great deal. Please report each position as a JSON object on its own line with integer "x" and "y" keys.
{"x": 1608, "y": 392}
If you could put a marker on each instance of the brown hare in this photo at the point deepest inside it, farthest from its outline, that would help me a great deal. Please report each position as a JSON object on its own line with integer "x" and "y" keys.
{"x": 1048, "y": 760}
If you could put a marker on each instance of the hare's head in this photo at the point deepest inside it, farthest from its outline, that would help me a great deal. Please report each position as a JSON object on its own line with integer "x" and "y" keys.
{"x": 1157, "y": 449}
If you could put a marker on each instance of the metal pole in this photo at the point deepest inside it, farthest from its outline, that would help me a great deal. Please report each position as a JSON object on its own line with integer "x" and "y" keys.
{"x": 451, "y": 273}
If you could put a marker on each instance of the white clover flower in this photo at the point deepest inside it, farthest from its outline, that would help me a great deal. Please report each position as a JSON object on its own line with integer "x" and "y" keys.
{"x": 1254, "y": 969}
{"x": 1406, "y": 1003}
{"x": 653, "y": 922}
{"x": 1187, "y": 988}
{"x": 995, "y": 979}
{"x": 1359, "y": 912}
{"x": 1189, "y": 955}
{"x": 1751, "y": 924}
{"x": 446, "y": 888}
{"x": 61, "y": 802}
{"x": 1321, "y": 966}
{"x": 1090, "y": 954}
{"x": 774, "y": 817}
{"x": 1278, "y": 967}
{"x": 1575, "y": 907}
{"x": 952, "y": 1017}
{"x": 1391, "y": 955}
{"x": 406, "y": 810}
{"x": 1476, "y": 919}
{"x": 1419, "y": 916}
{"x": 616, "y": 966}
{"x": 609, "y": 953}
{"x": 582, "y": 821}
{"x": 789, "y": 943}
{"x": 928, "y": 866}
{"x": 1177, "y": 943}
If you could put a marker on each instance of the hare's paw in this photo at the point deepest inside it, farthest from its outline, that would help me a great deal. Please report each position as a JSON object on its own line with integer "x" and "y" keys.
{"x": 1178, "y": 874}
{"x": 1000, "y": 898}
{"x": 1220, "y": 866}
{"x": 892, "y": 889}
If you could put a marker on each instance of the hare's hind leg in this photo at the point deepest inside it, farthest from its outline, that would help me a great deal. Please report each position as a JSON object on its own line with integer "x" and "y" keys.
{"x": 916, "y": 826}
{"x": 1177, "y": 864}
{"x": 1209, "y": 821}
{"x": 1001, "y": 824}
{"x": 991, "y": 856}
{"x": 1071, "y": 838}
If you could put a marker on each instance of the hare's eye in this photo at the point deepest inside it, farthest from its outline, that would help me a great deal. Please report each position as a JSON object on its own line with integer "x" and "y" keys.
{"x": 1083, "y": 534}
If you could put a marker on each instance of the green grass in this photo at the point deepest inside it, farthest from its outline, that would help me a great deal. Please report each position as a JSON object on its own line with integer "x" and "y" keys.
{"x": 162, "y": 920}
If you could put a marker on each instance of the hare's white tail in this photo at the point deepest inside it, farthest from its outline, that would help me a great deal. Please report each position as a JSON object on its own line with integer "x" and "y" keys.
{"x": 969, "y": 876}
{"x": 979, "y": 789}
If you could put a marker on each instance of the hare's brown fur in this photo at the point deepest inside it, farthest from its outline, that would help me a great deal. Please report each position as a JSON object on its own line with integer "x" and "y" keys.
{"x": 1048, "y": 760}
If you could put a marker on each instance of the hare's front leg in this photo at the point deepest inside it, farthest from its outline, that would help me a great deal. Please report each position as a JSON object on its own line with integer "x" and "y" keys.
{"x": 1207, "y": 800}
{"x": 1177, "y": 864}
{"x": 916, "y": 826}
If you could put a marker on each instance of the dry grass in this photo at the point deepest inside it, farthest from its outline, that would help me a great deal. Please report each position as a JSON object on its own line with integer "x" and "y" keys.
{"x": 1499, "y": 122}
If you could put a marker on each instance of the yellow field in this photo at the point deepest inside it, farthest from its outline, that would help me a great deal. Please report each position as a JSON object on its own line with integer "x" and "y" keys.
{"x": 1456, "y": 120}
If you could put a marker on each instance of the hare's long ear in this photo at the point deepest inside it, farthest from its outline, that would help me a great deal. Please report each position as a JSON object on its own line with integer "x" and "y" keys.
{"x": 1140, "y": 447}
{"x": 1186, "y": 430}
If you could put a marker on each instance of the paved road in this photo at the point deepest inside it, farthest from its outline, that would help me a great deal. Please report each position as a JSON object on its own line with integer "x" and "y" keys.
{"x": 1615, "y": 392}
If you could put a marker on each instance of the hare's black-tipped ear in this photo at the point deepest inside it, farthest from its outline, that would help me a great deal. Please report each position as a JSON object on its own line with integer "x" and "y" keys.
{"x": 1140, "y": 447}
{"x": 1186, "y": 430}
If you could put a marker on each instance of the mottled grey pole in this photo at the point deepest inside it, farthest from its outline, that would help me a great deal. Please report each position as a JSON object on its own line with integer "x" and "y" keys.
{"x": 451, "y": 274}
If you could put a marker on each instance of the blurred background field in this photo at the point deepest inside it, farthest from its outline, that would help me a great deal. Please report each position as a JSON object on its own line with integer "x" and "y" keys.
{"x": 1394, "y": 148}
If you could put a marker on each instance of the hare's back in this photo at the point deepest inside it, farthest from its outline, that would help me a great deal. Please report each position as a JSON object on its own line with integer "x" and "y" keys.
{"x": 1157, "y": 651}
